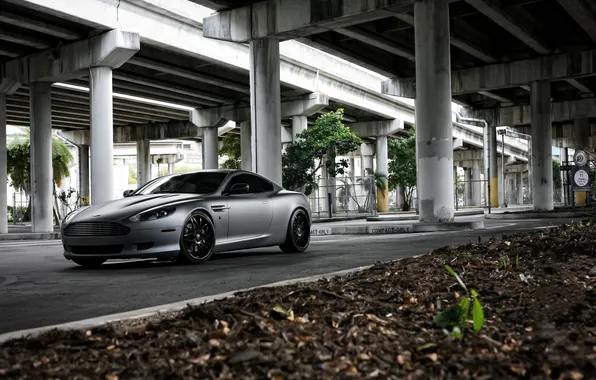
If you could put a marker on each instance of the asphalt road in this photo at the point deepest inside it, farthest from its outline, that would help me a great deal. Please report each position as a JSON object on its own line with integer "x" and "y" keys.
{"x": 38, "y": 287}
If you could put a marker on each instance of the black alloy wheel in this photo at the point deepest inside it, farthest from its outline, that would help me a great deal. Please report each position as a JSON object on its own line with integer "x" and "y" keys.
{"x": 298, "y": 234}
{"x": 197, "y": 241}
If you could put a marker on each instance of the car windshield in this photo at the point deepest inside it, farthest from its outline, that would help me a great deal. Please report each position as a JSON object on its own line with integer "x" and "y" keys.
{"x": 192, "y": 183}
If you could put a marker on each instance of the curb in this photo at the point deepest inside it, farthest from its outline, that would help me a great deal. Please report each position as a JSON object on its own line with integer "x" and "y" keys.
{"x": 416, "y": 217}
{"x": 30, "y": 236}
{"x": 167, "y": 308}
{"x": 539, "y": 215}
{"x": 396, "y": 229}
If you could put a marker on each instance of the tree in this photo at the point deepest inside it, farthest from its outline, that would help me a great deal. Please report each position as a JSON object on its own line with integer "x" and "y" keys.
{"x": 19, "y": 167}
{"x": 303, "y": 157}
{"x": 231, "y": 149}
{"x": 402, "y": 166}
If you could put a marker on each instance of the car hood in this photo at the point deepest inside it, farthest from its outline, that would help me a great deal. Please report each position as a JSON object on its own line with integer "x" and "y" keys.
{"x": 125, "y": 207}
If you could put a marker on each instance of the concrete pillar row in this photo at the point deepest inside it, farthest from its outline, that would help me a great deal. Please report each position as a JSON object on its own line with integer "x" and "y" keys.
{"x": 210, "y": 148}
{"x": 265, "y": 106}
{"x": 434, "y": 137}
{"x": 84, "y": 173}
{"x": 41, "y": 157}
{"x": 102, "y": 134}
{"x": 542, "y": 173}
{"x": 3, "y": 168}
{"x": 493, "y": 167}
{"x": 245, "y": 148}
{"x": 383, "y": 169}
{"x": 143, "y": 162}
{"x": 468, "y": 186}
{"x": 299, "y": 124}
{"x": 171, "y": 168}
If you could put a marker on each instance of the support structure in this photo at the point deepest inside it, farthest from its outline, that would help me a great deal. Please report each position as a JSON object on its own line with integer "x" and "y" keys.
{"x": 143, "y": 162}
{"x": 210, "y": 148}
{"x": 41, "y": 157}
{"x": 171, "y": 168}
{"x": 542, "y": 172}
{"x": 102, "y": 134}
{"x": 3, "y": 168}
{"x": 468, "y": 186}
{"x": 84, "y": 174}
{"x": 299, "y": 124}
{"x": 265, "y": 104}
{"x": 245, "y": 149}
{"x": 383, "y": 170}
{"x": 434, "y": 137}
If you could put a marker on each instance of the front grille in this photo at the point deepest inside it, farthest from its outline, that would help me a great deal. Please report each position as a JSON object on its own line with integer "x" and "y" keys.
{"x": 96, "y": 249}
{"x": 96, "y": 229}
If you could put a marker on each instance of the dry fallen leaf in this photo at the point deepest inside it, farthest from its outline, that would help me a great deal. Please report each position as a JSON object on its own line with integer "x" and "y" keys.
{"x": 111, "y": 377}
{"x": 214, "y": 342}
{"x": 352, "y": 371}
{"x": 201, "y": 360}
{"x": 434, "y": 357}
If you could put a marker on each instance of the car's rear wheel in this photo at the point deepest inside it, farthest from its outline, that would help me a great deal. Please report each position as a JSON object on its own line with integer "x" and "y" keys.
{"x": 298, "y": 234}
{"x": 89, "y": 263}
{"x": 197, "y": 240}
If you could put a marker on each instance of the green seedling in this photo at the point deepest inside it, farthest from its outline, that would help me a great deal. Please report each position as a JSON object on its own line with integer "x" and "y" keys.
{"x": 453, "y": 321}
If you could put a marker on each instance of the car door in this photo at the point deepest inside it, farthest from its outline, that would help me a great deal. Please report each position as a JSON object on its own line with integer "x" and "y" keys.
{"x": 250, "y": 214}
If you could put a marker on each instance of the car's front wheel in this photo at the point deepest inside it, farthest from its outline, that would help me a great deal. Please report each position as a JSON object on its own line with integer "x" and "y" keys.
{"x": 298, "y": 234}
{"x": 197, "y": 240}
{"x": 89, "y": 263}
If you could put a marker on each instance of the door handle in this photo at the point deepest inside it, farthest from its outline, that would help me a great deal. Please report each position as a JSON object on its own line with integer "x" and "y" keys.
{"x": 219, "y": 208}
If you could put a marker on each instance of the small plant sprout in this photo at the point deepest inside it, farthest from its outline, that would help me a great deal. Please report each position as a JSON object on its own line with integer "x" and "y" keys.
{"x": 453, "y": 321}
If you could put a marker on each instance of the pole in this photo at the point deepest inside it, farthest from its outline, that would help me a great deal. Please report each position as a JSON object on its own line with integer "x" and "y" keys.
{"x": 503, "y": 166}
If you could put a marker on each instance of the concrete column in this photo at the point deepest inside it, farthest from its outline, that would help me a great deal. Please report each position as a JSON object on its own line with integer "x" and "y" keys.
{"x": 476, "y": 184}
{"x": 171, "y": 168}
{"x": 468, "y": 186}
{"x": 519, "y": 188}
{"x": 84, "y": 173}
{"x": 500, "y": 184}
{"x": 382, "y": 168}
{"x": 245, "y": 146}
{"x": 41, "y": 157}
{"x": 493, "y": 167}
{"x": 299, "y": 124}
{"x": 434, "y": 137}
{"x": 367, "y": 163}
{"x": 102, "y": 135}
{"x": 565, "y": 186}
{"x": 581, "y": 140}
{"x": 265, "y": 108}
{"x": 351, "y": 203}
{"x": 3, "y": 168}
{"x": 143, "y": 162}
{"x": 211, "y": 148}
{"x": 542, "y": 172}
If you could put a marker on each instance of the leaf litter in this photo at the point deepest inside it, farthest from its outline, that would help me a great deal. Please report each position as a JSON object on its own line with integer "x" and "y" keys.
{"x": 539, "y": 318}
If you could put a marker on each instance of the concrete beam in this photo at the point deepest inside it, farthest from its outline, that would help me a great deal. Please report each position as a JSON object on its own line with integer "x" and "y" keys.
{"x": 376, "y": 41}
{"x": 110, "y": 49}
{"x": 458, "y": 144}
{"x": 376, "y": 128}
{"x": 37, "y": 26}
{"x": 290, "y": 19}
{"x": 468, "y": 155}
{"x": 491, "y": 9}
{"x": 506, "y": 75}
{"x": 307, "y": 105}
{"x": 180, "y": 72}
{"x": 8, "y": 86}
{"x": 582, "y": 14}
{"x": 579, "y": 86}
{"x": 521, "y": 115}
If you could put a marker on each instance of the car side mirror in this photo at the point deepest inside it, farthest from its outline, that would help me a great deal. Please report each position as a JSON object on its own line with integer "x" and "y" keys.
{"x": 239, "y": 188}
{"x": 127, "y": 193}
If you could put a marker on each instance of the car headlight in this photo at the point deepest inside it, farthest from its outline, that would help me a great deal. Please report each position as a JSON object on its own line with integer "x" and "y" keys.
{"x": 72, "y": 214}
{"x": 158, "y": 213}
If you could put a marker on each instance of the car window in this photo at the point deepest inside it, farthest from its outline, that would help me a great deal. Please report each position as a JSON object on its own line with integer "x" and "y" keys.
{"x": 255, "y": 184}
{"x": 191, "y": 183}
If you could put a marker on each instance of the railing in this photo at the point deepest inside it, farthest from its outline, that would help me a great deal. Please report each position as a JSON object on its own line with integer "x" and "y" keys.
{"x": 348, "y": 196}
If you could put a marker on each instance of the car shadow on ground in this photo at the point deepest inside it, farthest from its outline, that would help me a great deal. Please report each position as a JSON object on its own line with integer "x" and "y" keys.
{"x": 153, "y": 263}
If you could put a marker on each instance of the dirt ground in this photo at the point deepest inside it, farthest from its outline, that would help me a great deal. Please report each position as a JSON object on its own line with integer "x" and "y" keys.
{"x": 536, "y": 291}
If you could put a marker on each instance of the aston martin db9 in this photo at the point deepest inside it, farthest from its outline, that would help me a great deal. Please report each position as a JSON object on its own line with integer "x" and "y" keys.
{"x": 188, "y": 217}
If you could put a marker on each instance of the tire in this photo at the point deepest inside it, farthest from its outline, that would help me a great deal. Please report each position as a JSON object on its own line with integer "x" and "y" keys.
{"x": 197, "y": 239}
{"x": 89, "y": 263}
{"x": 298, "y": 234}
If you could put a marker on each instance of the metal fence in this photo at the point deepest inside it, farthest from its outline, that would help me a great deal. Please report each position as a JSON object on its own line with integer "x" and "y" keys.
{"x": 344, "y": 196}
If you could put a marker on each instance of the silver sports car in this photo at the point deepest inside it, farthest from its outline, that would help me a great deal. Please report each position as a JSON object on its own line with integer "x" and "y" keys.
{"x": 188, "y": 217}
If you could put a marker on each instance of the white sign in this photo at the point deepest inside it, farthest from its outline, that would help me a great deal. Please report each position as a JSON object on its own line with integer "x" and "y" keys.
{"x": 581, "y": 178}
{"x": 581, "y": 158}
